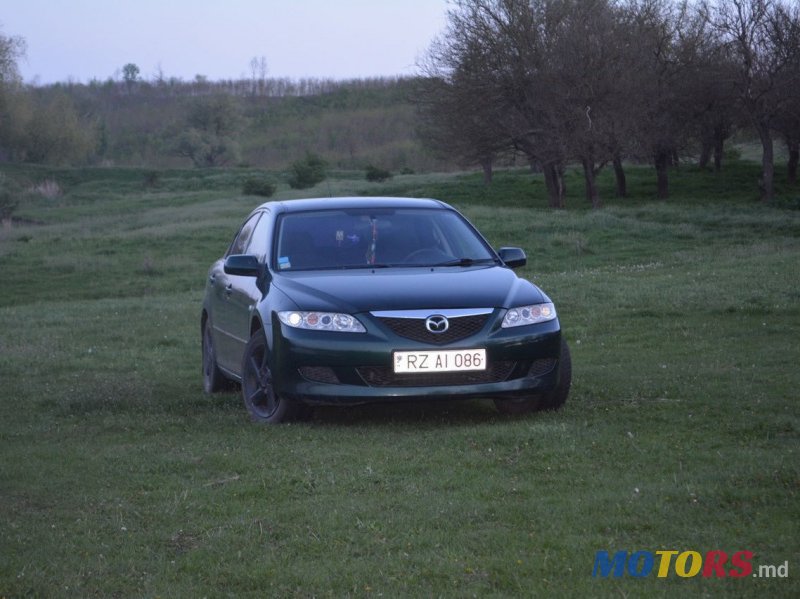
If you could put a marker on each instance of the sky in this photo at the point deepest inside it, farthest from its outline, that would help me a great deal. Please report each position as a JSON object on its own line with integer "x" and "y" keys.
{"x": 81, "y": 40}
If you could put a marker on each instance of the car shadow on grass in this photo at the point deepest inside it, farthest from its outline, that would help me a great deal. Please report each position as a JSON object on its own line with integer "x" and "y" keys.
{"x": 440, "y": 412}
{"x": 431, "y": 413}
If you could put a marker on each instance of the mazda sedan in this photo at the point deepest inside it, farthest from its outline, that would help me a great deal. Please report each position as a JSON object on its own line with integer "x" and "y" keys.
{"x": 353, "y": 300}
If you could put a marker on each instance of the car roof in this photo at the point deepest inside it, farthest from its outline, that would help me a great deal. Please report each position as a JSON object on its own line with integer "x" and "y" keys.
{"x": 349, "y": 203}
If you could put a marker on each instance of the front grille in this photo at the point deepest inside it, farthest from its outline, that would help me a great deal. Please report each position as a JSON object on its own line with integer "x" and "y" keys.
{"x": 414, "y": 328}
{"x": 379, "y": 376}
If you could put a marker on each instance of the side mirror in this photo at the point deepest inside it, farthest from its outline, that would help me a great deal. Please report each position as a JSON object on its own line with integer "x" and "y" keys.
{"x": 242, "y": 265}
{"x": 513, "y": 257}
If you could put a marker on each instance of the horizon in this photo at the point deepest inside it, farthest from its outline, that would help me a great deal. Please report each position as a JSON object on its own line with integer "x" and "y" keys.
{"x": 88, "y": 40}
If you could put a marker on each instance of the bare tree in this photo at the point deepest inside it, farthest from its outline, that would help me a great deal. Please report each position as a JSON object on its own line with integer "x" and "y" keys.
{"x": 762, "y": 38}
{"x": 710, "y": 86}
{"x": 496, "y": 48}
{"x": 258, "y": 72}
{"x": 585, "y": 65}
{"x": 787, "y": 122}
{"x": 590, "y": 80}
{"x": 665, "y": 39}
{"x": 458, "y": 107}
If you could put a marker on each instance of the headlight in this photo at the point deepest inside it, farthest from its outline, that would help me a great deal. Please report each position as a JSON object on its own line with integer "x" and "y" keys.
{"x": 517, "y": 317}
{"x": 322, "y": 321}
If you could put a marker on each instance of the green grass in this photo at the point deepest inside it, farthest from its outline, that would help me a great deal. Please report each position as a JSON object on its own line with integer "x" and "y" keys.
{"x": 119, "y": 477}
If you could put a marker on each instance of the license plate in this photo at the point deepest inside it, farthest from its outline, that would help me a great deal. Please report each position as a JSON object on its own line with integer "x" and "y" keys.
{"x": 439, "y": 361}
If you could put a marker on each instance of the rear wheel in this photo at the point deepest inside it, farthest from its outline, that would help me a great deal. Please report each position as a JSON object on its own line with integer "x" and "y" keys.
{"x": 213, "y": 379}
{"x": 552, "y": 400}
{"x": 260, "y": 399}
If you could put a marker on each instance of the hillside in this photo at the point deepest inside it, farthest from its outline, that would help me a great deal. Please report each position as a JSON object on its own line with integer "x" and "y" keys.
{"x": 349, "y": 123}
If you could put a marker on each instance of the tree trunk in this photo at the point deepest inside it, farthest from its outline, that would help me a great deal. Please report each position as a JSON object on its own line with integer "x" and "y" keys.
{"x": 562, "y": 183}
{"x": 619, "y": 176}
{"x": 794, "y": 155}
{"x": 718, "y": 151}
{"x": 552, "y": 187}
{"x": 662, "y": 160}
{"x": 592, "y": 195}
{"x": 488, "y": 173}
{"x": 705, "y": 154}
{"x": 767, "y": 183}
{"x": 554, "y": 181}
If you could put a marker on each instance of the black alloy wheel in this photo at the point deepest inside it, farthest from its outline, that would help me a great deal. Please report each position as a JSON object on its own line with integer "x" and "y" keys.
{"x": 260, "y": 398}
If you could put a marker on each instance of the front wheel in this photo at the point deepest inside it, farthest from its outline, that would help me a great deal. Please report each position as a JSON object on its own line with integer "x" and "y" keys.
{"x": 552, "y": 400}
{"x": 260, "y": 399}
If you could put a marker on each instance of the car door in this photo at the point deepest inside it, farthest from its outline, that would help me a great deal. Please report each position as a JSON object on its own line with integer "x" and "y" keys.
{"x": 226, "y": 305}
{"x": 245, "y": 293}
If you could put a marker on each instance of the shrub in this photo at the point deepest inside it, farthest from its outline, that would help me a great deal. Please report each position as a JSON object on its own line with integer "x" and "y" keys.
{"x": 732, "y": 154}
{"x": 377, "y": 175}
{"x": 206, "y": 149}
{"x": 258, "y": 187}
{"x": 307, "y": 172}
{"x": 48, "y": 189}
{"x": 55, "y": 133}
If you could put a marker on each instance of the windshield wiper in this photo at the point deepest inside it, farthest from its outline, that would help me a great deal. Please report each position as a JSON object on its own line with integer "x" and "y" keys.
{"x": 466, "y": 262}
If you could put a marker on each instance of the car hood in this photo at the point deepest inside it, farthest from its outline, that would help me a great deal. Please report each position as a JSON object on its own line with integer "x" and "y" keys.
{"x": 407, "y": 289}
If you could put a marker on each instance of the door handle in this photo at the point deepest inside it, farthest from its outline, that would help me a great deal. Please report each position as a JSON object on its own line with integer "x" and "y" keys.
{"x": 212, "y": 279}
{"x": 229, "y": 289}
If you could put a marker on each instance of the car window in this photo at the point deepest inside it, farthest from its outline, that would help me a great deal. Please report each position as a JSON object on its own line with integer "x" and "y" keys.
{"x": 258, "y": 242}
{"x": 242, "y": 239}
{"x": 328, "y": 239}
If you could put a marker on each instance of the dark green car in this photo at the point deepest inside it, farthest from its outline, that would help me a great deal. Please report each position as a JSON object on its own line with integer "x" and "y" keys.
{"x": 353, "y": 300}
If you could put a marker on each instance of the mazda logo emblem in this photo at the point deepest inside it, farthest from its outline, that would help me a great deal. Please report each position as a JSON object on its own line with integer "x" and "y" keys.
{"x": 437, "y": 324}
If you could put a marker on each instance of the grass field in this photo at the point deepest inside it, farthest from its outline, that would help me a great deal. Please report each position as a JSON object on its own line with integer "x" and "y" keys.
{"x": 119, "y": 477}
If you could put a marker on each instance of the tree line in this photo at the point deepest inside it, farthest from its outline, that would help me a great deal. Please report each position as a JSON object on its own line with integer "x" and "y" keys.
{"x": 600, "y": 82}
{"x": 168, "y": 122}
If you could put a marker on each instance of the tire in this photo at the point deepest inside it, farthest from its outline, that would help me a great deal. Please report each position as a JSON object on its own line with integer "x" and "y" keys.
{"x": 552, "y": 400}
{"x": 213, "y": 379}
{"x": 260, "y": 399}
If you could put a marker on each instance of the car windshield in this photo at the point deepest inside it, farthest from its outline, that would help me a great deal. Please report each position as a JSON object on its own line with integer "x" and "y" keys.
{"x": 377, "y": 238}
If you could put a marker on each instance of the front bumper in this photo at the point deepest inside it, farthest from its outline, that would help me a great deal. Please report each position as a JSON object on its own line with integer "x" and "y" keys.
{"x": 323, "y": 367}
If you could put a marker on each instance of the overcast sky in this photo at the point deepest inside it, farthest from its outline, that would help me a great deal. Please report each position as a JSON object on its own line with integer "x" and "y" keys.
{"x": 340, "y": 39}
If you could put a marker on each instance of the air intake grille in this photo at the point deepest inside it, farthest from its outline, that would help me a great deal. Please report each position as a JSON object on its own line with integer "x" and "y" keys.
{"x": 541, "y": 367}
